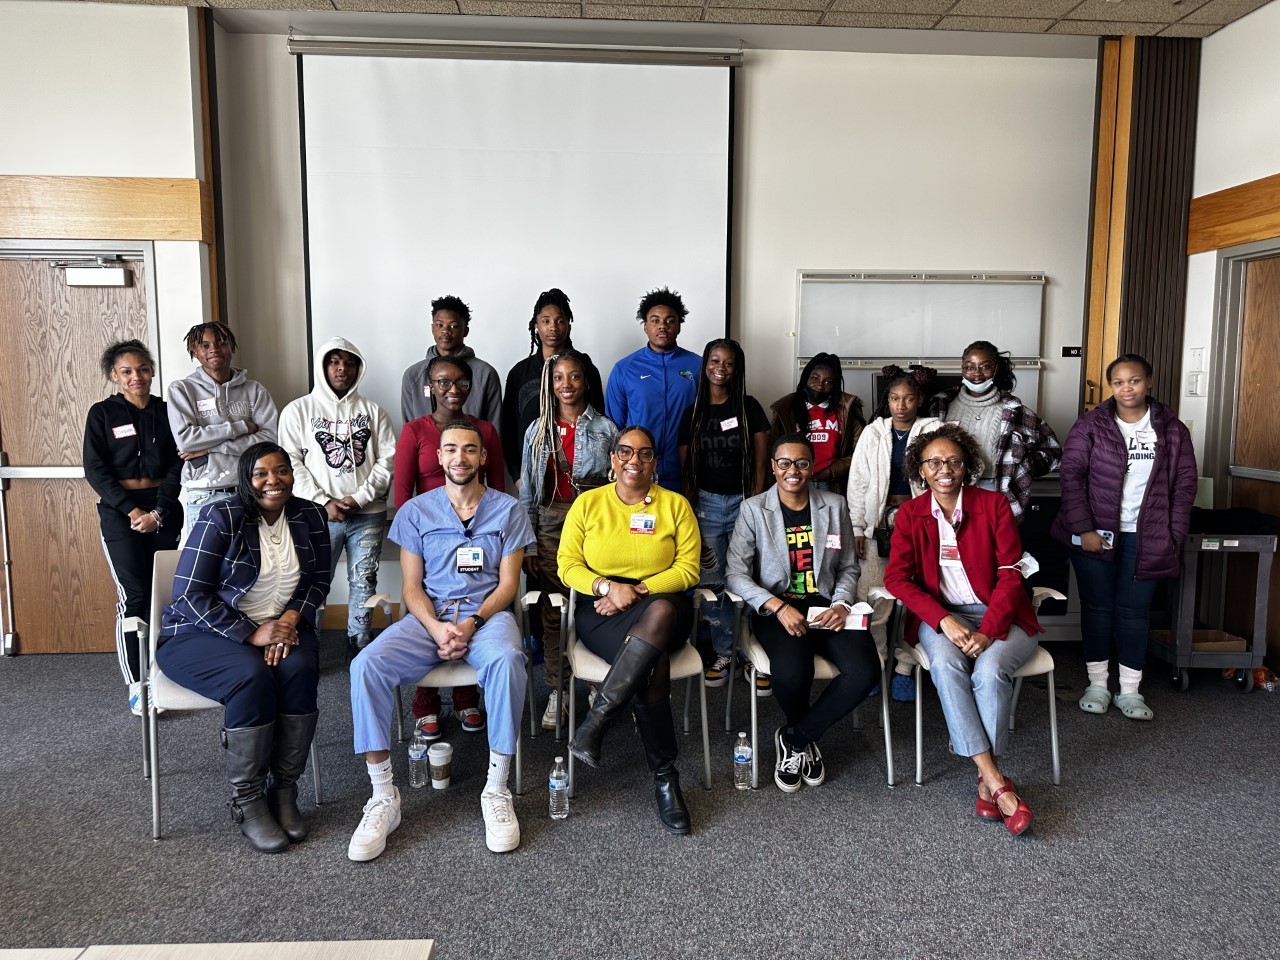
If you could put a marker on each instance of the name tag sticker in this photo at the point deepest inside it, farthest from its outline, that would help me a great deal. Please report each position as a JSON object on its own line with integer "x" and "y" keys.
{"x": 1146, "y": 436}
{"x": 470, "y": 559}
{"x": 833, "y": 541}
{"x": 426, "y": 390}
{"x": 128, "y": 430}
{"x": 207, "y": 405}
{"x": 730, "y": 423}
{"x": 949, "y": 555}
{"x": 644, "y": 523}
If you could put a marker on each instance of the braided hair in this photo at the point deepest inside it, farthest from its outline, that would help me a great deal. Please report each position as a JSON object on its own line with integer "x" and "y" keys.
{"x": 1004, "y": 376}
{"x": 220, "y": 331}
{"x": 701, "y": 415}
{"x": 546, "y": 436}
{"x": 555, "y": 297}
{"x": 917, "y": 376}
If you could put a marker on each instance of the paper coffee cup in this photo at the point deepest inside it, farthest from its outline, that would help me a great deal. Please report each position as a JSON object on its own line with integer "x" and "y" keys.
{"x": 440, "y": 757}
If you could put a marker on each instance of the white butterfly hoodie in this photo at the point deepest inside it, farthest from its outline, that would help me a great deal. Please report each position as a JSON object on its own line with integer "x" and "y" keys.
{"x": 340, "y": 446}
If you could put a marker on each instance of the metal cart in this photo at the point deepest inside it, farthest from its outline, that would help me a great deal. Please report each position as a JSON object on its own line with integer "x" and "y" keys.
{"x": 1176, "y": 646}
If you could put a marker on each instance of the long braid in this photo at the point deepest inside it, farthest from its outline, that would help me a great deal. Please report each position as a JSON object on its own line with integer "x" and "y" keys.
{"x": 701, "y": 413}
{"x": 547, "y": 435}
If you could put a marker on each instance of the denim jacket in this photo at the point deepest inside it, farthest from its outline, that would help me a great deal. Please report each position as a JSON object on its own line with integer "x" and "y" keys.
{"x": 591, "y": 445}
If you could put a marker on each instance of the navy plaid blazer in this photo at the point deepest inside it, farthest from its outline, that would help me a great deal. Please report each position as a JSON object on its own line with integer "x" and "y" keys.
{"x": 220, "y": 562}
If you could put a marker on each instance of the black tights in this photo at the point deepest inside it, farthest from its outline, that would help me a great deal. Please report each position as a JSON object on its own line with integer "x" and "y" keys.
{"x": 656, "y": 627}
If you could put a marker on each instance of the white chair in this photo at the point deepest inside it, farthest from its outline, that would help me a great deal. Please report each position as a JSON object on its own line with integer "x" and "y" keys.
{"x": 745, "y": 641}
{"x": 459, "y": 673}
{"x": 1040, "y": 664}
{"x": 686, "y": 664}
{"x": 162, "y": 694}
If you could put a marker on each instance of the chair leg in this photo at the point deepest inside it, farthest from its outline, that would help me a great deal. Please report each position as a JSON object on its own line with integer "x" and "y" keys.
{"x": 733, "y": 659}
{"x": 1053, "y": 730}
{"x": 1013, "y": 707}
{"x": 153, "y": 729}
{"x": 399, "y": 716}
{"x": 919, "y": 726}
{"x": 688, "y": 696}
{"x": 573, "y": 710}
{"x": 528, "y": 688}
{"x": 519, "y": 765}
{"x": 888, "y": 737}
{"x": 706, "y": 732}
{"x": 144, "y": 660}
{"x": 755, "y": 734}
{"x": 315, "y": 772}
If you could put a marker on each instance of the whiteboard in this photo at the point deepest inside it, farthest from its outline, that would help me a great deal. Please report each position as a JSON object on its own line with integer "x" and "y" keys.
{"x": 857, "y": 314}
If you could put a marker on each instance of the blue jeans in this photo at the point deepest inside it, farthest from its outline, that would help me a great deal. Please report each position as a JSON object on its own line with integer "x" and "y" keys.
{"x": 361, "y": 535}
{"x": 976, "y": 694}
{"x": 197, "y": 499}
{"x": 1115, "y": 609}
{"x": 717, "y": 515}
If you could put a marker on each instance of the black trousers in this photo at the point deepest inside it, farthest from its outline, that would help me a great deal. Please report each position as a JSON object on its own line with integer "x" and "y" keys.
{"x": 130, "y": 557}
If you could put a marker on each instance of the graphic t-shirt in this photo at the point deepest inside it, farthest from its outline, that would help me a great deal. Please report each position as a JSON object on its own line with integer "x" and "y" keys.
{"x": 824, "y": 434}
{"x": 719, "y": 450}
{"x": 1140, "y": 443}
{"x": 799, "y": 527}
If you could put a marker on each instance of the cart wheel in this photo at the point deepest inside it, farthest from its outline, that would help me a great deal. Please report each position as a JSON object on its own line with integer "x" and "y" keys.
{"x": 1244, "y": 679}
{"x": 1182, "y": 680}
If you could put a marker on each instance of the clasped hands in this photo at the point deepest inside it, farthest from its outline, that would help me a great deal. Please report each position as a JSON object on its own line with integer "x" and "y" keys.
{"x": 452, "y": 639}
{"x": 971, "y": 642}
{"x": 339, "y": 510}
{"x": 794, "y": 622}
{"x": 620, "y": 597}
{"x": 276, "y": 637}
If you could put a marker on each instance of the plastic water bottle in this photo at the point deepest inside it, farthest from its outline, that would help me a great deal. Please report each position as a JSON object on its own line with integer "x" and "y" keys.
{"x": 559, "y": 785}
{"x": 419, "y": 763}
{"x": 742, "y": 763}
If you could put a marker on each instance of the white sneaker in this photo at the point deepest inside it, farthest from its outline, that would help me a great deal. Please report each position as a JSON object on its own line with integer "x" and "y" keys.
{"x": 135, "y": 698}
{"x": 381, "y": 816}
{"x": 553, "y": 706}
{"x": 501, "y": 828}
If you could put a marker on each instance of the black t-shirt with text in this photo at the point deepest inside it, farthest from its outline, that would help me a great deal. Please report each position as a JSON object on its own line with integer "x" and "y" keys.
{"x": 719, "y": 450}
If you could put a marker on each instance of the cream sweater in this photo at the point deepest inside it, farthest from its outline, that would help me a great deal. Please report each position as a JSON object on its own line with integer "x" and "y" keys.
{"x": 869, "y": 472}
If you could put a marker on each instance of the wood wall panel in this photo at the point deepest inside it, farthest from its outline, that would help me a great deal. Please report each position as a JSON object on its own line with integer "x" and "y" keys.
{"x": 105, "y": 208}
{"x": 1101, "y": 222}
{"x": 1241, "y": 214}
{"x": 1257, "y": 441}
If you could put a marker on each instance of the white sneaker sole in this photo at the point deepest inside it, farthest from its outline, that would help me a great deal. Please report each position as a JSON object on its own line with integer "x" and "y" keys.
{"x": 501, "y": 844}
{"x": 372, "y": 851}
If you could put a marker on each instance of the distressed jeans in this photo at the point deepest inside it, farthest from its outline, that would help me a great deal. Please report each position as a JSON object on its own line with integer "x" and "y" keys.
{"x": 361, "y": 537}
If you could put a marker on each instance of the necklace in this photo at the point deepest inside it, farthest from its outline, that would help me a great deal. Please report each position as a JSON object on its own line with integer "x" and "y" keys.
{"x": 900, "y": 434}
{"x": 275, "y": 532}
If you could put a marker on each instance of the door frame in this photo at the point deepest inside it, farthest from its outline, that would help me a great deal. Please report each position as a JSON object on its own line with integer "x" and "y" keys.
{"x": 1228, "y": 326}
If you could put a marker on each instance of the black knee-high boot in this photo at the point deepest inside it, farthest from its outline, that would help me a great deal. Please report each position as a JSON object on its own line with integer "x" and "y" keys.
{"x": 288, "y": 759}
{"x": 658, "y": 733}
{"x": 248, "y": 759}
{"x": 629, "y": 673}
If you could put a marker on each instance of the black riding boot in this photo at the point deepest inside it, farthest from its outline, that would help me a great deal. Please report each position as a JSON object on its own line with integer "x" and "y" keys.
{"x": 629, "y": 673}
{"x": 658, "y": 734}
{"x": 288, "y": 760}
{"x": 248, "y": 758}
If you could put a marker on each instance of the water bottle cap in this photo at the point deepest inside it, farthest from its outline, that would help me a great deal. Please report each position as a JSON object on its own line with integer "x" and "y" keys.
{"x": 559, "y": 759}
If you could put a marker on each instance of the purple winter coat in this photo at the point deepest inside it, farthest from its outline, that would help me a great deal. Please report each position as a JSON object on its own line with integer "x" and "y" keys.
{"x": 1094, "y": 461}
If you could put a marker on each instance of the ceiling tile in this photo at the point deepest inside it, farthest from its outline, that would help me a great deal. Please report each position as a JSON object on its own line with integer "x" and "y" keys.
{"x": 1135, "y": 11}
{"x": 1190, "y": 30}
{"x": 1223, "y": 11}
{"x": 1013, "y": 8}
{"x": 885, "y": 21}
{"x": 818, "y": 5}
{"x": 625, "y": 11}
{"x": 515, "y": 8}
{"x": 899, "y": 7}
{"x": 273, "y": 4}
{"x": 1106, "y": 28}
{"x": 994, "y": 24}
{"x": 786, "y": 18}
{"x": 398, "y": 6}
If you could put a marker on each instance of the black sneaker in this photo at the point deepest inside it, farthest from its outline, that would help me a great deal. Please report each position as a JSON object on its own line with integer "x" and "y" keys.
{"x": 812, "y": 771}
{"x": 786, "y": 772}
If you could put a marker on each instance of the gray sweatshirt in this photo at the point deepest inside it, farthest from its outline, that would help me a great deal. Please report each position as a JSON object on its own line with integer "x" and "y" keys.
{"x": 204, "y": 415}
{"x": 484, "y": 402}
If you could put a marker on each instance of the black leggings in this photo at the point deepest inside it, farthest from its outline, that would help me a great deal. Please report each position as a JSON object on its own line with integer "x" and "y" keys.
{"x": 791, "y": 661}
{"x": 662, "y": 620}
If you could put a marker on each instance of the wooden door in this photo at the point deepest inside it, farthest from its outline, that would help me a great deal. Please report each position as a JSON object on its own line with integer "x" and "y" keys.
{"x": 1256, "y": 445}
{"x": 51, "y": 337}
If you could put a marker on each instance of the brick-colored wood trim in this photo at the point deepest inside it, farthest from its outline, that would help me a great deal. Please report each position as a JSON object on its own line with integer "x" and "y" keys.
{"x": 1240, "y": 214}
{"x": 105, "y": 208}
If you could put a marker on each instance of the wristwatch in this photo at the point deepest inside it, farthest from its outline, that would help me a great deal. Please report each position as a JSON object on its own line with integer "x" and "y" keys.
{"x": 603, "y": 589}
{"x": 479, "y": 620}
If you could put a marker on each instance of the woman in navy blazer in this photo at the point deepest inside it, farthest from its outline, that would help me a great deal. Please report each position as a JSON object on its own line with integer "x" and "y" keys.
{"x": 953, "y": 564}
{"x": 791, "y": 554}
{"x": 242, "y": 630}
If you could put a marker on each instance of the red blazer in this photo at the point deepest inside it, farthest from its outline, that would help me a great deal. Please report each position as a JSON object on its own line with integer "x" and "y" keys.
{"x": 987, "y": 539}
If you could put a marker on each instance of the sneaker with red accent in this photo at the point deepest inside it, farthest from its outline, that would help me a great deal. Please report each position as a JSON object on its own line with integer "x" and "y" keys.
{"x": 429, "y": 727}
{"x": 472, "y": 720}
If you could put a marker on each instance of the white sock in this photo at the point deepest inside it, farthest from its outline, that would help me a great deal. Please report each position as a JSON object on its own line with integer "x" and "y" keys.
{"x": 499, "y": 771}
{"x": 1129, "y": 679}
{"x": 380, "y": 775}
{"x": 1098, "y": 670}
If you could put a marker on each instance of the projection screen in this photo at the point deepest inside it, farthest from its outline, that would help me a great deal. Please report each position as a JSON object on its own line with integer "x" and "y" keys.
{"x": 495, "y": 180}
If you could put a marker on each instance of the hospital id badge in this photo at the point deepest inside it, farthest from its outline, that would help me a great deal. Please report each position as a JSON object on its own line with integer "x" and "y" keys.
{"x": 643, "y": 523}
{"x": 470, "y": 559}
{"x": 949, "y": 555}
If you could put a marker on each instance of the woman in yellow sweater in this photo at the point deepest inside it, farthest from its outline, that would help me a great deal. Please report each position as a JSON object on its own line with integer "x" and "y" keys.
{"x": 630, "y": 550}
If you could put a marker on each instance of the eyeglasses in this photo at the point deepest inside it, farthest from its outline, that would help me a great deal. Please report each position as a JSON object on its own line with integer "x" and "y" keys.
{"x": 935, "y": 463}
{"x": 625, "y": 453}
{"x": 444, "y": 386}
{"x": 786, "y": 463}
{"x": 978, "y": 368}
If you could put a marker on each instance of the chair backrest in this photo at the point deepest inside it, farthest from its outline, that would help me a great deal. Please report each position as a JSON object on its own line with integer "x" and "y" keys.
{"x": 162, "y": 574}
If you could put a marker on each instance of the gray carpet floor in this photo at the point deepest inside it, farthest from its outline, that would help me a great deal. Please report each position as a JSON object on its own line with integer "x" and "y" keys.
{"x": 1160, "y": 842}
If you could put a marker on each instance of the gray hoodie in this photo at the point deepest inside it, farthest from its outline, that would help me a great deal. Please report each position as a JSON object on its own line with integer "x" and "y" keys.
{"x": 484, "y": 402}
{"x": 340, "y": 446}
{"x": 204, "y": 415}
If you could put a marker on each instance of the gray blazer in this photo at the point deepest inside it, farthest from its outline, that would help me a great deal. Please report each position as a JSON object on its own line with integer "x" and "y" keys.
{"x": 759, "y": 567}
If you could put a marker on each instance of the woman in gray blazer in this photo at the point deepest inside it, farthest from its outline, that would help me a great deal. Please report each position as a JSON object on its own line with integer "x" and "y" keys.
{"x": 792, "y": 560}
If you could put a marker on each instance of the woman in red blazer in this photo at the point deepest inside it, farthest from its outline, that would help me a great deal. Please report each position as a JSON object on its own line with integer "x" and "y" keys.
{"x": 952, "y": 564}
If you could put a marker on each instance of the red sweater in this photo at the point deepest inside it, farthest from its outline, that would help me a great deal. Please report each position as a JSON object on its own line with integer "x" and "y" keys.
{"x": 418, "y": 459}
{"x": 987, "y": 539}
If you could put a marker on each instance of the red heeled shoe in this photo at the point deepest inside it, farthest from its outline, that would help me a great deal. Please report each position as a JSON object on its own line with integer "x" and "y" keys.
{"x": 987, "y": 809}
{"x": 1017, "y": 822}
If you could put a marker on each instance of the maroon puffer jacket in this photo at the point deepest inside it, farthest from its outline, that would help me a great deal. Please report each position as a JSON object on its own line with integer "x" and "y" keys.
{"x": 1094, "y": 460}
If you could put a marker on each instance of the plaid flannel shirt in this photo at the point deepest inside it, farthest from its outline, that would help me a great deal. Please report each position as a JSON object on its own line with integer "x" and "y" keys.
{"x": 220, "y": 562}
{"x": 1027, "y": 448}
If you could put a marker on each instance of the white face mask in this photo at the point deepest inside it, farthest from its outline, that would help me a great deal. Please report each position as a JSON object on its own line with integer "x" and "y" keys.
{"x": 978, "y": 389}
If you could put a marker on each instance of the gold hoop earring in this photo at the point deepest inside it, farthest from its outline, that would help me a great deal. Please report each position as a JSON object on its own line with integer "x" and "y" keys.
{"x": 613, "y": 477}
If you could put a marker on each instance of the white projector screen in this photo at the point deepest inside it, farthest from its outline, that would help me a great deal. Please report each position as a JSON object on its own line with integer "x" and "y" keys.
{"x": 495, "y": 180}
